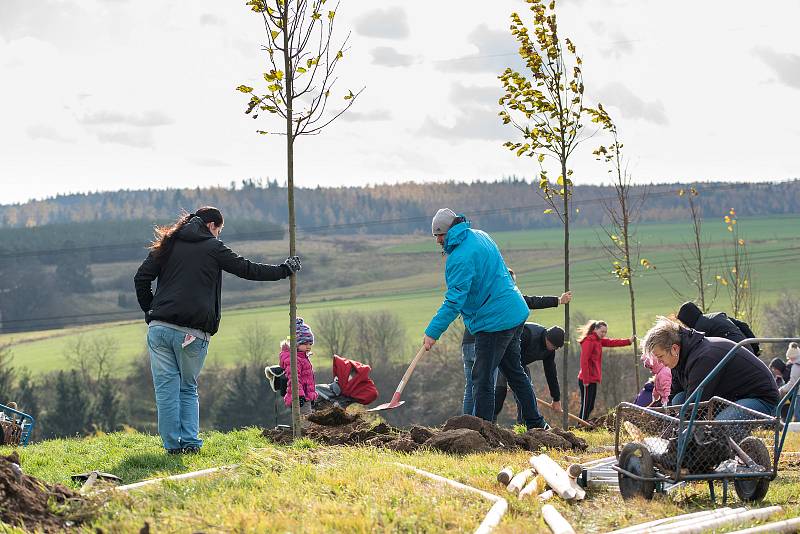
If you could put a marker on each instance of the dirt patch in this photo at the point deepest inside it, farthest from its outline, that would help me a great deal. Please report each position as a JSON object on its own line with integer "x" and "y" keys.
{"x": 25, "y": 500}
{"x": 604, "y": 422}
{"x": 460, "y": 435}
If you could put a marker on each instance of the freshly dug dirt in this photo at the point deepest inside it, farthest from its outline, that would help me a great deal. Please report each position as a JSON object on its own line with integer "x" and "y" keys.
{"x": 463, "y": 434}
{"x": 604, "y": 422}
{"x": 458, "y": 441}
{"x": 24, "y": 499}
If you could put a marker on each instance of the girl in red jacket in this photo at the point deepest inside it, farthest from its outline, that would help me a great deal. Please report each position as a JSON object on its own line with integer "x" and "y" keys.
{"x": 592, "y": 337}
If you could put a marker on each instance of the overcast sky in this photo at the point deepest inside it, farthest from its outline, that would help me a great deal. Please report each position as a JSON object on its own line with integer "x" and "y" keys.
{"x": 110, "y": 94}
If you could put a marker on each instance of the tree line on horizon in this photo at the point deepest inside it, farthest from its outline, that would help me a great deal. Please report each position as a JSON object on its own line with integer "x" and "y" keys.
{"x": 510, "y": 204}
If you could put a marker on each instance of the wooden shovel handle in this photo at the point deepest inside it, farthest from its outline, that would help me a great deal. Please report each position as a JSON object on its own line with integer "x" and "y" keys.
{"x": 573, "y": 417}
{"x": 403, "y": 381}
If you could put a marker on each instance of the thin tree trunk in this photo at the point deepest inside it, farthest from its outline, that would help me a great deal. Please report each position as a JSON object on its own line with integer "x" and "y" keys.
{"x": 631, "y": 293}
{"x": 296, "y": 430}
{"x": 565, "y": 363}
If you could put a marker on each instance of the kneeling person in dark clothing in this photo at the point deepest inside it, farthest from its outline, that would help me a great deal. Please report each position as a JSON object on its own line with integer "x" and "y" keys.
{"x": 538, "y": 344}
{"x": 717, "y": 324}
{"x": 745, "y": 379}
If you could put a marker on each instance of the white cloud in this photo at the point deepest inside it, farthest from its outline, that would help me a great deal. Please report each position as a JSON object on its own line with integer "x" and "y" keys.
{"x": 631, "y": 105}
{"x": 367, "y": 116}
{"x": 496, "y": 50}
{"x": 46, "y": 132}
{"x": 148, "y": 119}
{"x": 209, "y": 19}
{"x": 786, "y": 66}
{"x": 140, "y": 138}
{"x": 387, "y": 56}
{"x": 387, "y": 23}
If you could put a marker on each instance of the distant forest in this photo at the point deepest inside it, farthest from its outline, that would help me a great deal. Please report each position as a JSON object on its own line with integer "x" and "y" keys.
{"x": 510, "y": 204}
{"x": 52, "y": 251}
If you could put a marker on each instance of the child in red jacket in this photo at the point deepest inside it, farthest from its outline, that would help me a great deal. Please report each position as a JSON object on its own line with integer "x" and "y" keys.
{"x": 592, "y": 337}
{"x": 305, "y": 371}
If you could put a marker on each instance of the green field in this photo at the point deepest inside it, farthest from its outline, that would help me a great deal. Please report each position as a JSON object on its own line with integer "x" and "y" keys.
{"x": 535, "y": 255}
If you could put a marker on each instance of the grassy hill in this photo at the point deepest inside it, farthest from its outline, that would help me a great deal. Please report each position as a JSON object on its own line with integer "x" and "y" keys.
{"x": 307, "y": 487}
{"x": 405, "y": 275}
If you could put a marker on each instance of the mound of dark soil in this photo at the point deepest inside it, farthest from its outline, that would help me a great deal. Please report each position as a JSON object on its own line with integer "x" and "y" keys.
{"x": 604, "y": 422}
{"x": 460, "y": 435}
{"x": 25, "y": 500}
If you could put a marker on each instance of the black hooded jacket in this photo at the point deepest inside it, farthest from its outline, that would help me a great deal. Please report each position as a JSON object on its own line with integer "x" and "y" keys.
{"x": 744, "y": 376}
{"x": 190, "y": 278}
{"x": 534, "y": 349}
{"x": 720, "y": 325}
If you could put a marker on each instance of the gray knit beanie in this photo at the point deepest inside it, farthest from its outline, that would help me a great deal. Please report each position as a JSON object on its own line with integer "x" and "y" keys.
{"x": 442, "y": 221}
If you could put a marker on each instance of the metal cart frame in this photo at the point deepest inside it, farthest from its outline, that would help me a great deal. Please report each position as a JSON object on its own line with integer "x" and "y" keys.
{"x": 645, "y": 478}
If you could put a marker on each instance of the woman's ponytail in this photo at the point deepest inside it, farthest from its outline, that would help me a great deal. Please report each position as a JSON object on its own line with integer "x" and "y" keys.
{"x": 164, "y": 236}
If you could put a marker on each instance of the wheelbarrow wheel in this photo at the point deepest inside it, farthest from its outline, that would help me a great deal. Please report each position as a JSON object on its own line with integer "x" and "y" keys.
{"x": 753, "y": 489}
{"x": 636, "y": 459}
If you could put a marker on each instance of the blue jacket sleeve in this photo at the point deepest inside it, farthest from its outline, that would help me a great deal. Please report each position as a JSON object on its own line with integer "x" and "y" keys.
{"x": 459, "y": 280}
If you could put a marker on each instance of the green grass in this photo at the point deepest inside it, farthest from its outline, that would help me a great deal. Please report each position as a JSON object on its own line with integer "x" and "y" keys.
{"x": 415, "y": 297}
{"x": 313, "y": 488}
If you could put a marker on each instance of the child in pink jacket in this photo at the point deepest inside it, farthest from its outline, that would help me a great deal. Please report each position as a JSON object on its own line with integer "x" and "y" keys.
{"x": 305, "y": 371}
{"x": 662, "y": 379}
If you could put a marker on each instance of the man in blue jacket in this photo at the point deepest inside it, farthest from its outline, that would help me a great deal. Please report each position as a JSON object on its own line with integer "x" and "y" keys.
{"x": 480, "y": 288}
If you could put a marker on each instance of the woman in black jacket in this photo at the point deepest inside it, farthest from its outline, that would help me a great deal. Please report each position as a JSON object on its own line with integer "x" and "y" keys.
{"x": 187, "y": 258}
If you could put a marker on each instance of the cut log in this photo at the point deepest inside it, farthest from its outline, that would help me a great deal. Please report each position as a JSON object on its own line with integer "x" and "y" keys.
{"x": 556, "y": 521}
{"x": 519, "y": 480}
{"x": 546, "y": 495}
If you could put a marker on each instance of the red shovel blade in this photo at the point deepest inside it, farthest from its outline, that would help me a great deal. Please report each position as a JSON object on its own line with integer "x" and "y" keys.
{"x": 394, "y": 403}
{"x": 386, "y": 406}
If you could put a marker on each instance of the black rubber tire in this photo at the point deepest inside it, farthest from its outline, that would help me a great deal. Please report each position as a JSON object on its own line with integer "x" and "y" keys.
{"x": 753, "y": 489}
{"x": 636, "y": 459}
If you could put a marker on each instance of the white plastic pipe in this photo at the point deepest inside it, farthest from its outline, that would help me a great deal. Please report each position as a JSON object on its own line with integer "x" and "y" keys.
{"x": 183, "y": 476}
{"x": 556, "y": 477}
{"x": 518, "y": 482}
{"x": 556, "y": 521}
{"x": 673, "y": 519}
{"x": 496, "y": 512}
{"x": 703, "y": 525}
{"x": 789, "y": 525}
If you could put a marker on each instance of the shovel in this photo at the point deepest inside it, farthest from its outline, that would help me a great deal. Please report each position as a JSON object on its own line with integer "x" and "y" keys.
{"x": 395, "y": 402}
{"x": 91, "y": 477}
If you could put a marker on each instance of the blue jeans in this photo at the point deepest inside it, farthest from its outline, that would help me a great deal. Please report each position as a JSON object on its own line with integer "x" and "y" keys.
{"x": 175, "y": 370}
{"x": 468, "y": 356}
{"x": 501, "y": 350}
{"x": 732, "y": 413}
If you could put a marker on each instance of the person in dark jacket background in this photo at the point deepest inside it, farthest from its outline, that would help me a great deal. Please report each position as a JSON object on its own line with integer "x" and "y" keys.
{"x": 187, "y": 259}
{"x": 538, "y": 344}
{"x": 745, "y": 379}
{"x": 468, "y": 352}
{"x": 717, "y": 324}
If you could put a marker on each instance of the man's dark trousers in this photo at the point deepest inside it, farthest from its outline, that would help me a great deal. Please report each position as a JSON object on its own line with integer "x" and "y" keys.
{"x": 502, "y": 349}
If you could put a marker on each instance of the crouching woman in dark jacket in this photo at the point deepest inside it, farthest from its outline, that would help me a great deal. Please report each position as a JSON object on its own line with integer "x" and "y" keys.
{"x": 745, "y": 379}
{"x": 187, "y": 258}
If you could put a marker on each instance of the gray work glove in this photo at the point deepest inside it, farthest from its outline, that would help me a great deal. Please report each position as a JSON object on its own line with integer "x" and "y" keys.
{"x": 293, "y": 263}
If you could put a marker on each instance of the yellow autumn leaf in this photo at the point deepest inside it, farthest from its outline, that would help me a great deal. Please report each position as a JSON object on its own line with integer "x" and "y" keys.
{"x": 548, "y": 211}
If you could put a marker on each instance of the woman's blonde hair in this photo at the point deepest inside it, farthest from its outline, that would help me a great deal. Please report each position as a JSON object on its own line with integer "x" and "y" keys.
{"x": 588, "y": 328}
{"x": 663, "y": 335}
